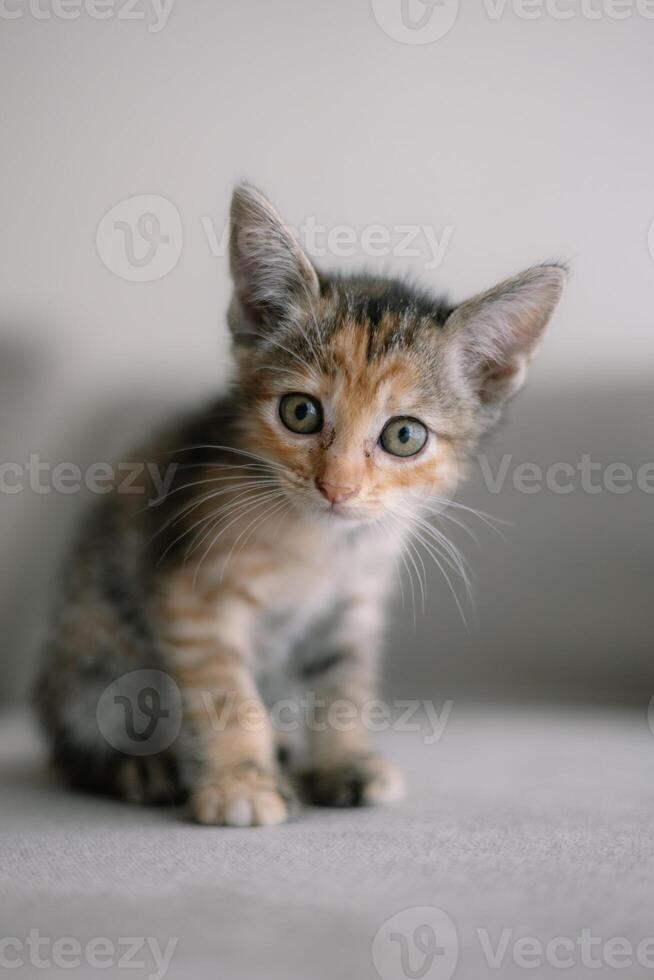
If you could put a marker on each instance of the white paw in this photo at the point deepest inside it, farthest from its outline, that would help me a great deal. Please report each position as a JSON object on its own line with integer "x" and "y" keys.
{"x": 387, "y": 785}
{"x": 240, "y": 799}
{"x": 358, "y": 780}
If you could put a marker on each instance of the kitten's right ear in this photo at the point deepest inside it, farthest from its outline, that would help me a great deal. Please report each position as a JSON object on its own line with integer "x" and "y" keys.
{"x": 272, "y": 275}
{"x": 492, "y": 337}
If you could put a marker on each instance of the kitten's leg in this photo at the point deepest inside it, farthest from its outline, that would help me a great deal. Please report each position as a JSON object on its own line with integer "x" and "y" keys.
{"x": 237, "y": 782}
{"x": 343, "y": 770}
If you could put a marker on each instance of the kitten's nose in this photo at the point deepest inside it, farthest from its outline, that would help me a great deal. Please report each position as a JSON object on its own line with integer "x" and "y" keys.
{"x": 335, "y": 494}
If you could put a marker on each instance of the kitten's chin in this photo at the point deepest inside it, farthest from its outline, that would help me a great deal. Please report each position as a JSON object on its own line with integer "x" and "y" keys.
{"x": 346, "y": 516}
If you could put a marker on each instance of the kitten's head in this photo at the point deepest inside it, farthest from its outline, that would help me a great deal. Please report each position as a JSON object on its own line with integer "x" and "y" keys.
{"x": 365, "y": 393}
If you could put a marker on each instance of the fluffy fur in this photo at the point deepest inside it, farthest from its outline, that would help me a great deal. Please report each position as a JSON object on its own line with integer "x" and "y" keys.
{"x": 267, "y": 569}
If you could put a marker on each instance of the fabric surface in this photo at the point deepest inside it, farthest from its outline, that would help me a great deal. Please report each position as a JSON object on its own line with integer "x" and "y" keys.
{"x": 519, "y": 822}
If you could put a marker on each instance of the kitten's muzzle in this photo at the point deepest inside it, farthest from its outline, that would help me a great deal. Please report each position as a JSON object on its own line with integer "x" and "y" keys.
{"x": 334, "y": 493}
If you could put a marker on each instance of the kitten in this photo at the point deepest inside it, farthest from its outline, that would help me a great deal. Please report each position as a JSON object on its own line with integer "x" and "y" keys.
{"x": 267, "y": 568}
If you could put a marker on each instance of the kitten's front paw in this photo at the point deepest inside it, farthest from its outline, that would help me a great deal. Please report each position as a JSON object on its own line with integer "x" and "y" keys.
{"x": 245, "y": 796}
{"x": 361, "y": 780}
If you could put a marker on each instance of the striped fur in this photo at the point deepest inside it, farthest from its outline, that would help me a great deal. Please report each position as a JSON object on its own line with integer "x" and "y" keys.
{"x": 245, "y": 585}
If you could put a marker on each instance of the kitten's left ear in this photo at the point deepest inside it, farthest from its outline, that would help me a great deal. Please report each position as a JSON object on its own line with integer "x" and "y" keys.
{"x": 272, "y": 275}
{"x": 494, "y": 335}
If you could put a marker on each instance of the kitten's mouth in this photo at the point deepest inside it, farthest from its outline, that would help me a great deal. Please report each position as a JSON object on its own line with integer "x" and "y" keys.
{"x": 344, "y": 513}
{"x": 338, "y": 513}
{"x": 337, "y": 510}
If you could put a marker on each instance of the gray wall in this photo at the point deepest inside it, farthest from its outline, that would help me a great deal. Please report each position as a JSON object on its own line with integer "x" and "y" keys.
{"x": 527, "y": 138}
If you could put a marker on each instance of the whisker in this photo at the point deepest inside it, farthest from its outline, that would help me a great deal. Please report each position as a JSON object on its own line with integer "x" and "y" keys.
{"x": 410, "y": 577}
{"x": 213, "y": 465}
{"x": 455, "y": 560}
{"x": 234, "y": 520}
{"x": 456, "y": 556}
{"x": 203, "y": 498}
{"x": 289, "y": 507}
{"x": 221, "y": 479}
{"x": 197, "y": 483}
{"x": 230, "y": 449}
{"x": 206, "y": 517}
{"x": 250, "y": 529}
{"x": 411, "y": 550}
{"x": 488, "y": 519}
{"x": 382, "y": 528}
{"x": 444, "y": 515}
{"x": 217, "y": 516}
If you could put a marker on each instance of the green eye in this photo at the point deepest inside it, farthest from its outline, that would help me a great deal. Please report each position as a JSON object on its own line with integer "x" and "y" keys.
{"x": 403, "y": 437}
{"x": 301, "y": 413}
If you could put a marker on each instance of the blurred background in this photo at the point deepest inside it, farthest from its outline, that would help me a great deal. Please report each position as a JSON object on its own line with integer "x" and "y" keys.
{"x": 457, "y": 143}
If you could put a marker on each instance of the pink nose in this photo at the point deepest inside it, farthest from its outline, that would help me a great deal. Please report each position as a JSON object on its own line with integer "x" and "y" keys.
{"x": 335, "y": 494}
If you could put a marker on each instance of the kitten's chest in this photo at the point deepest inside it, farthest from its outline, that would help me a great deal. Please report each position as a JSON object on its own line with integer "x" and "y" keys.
{"x": 306, "y": 595}
{"x": 308, "y": 599}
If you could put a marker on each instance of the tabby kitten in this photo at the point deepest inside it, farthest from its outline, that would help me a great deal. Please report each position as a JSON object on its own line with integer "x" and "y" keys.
{"x": 266, "y": 569}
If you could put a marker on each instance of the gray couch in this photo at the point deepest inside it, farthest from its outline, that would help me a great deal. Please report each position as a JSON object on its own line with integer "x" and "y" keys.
{"x": 520, "y": 822}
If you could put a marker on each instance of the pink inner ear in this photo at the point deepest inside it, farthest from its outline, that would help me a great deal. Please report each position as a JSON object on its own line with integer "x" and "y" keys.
{"x": 495, "y": 378}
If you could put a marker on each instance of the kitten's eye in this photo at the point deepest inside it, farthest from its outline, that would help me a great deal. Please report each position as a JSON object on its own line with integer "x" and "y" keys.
{"x": 403, "y": 437}
{"x": 301, "y": 413}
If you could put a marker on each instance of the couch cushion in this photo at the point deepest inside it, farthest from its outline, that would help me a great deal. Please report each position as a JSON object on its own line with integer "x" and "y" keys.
{"x": 519, "y": 822}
